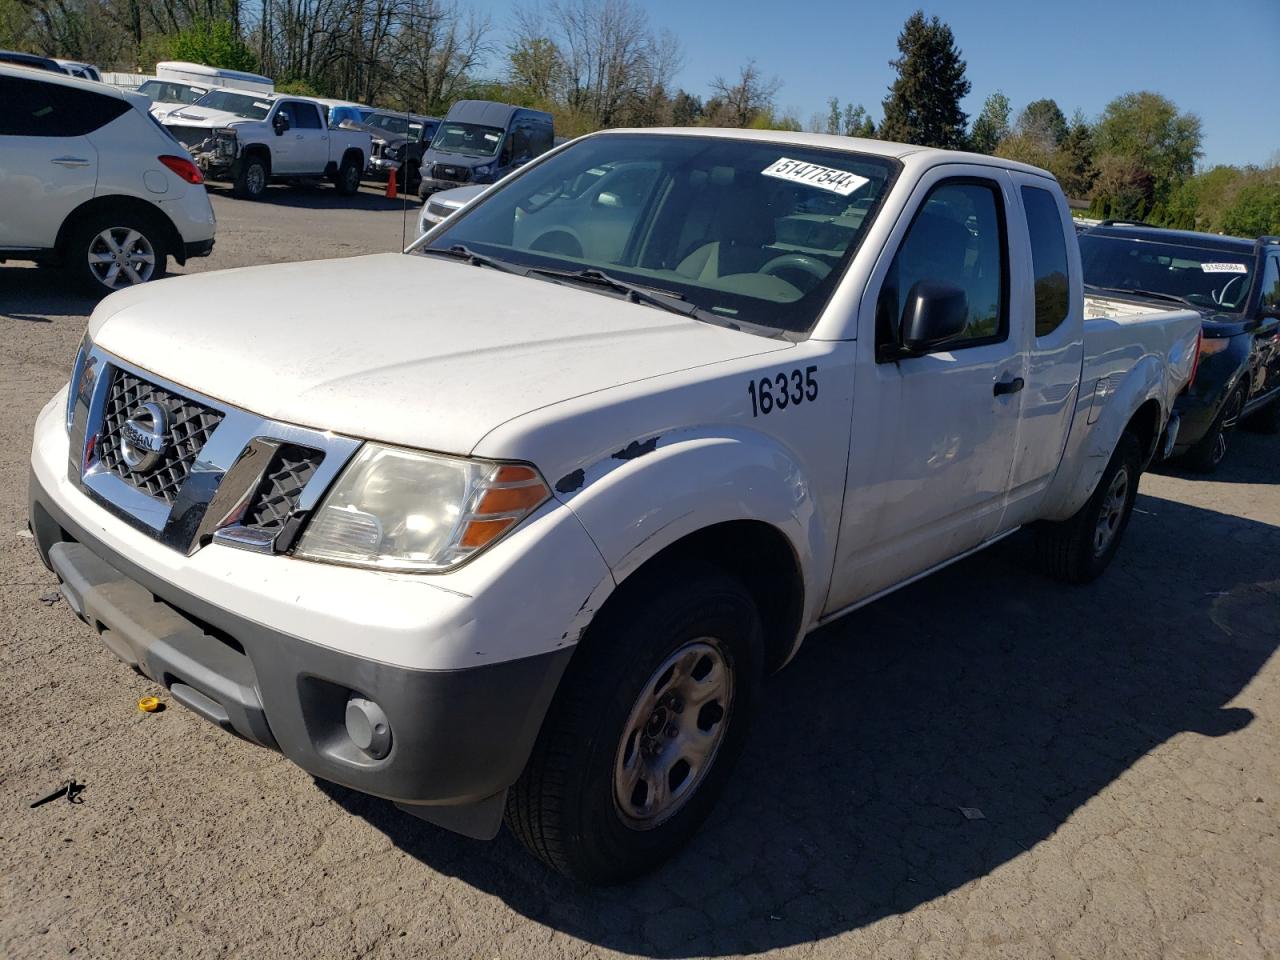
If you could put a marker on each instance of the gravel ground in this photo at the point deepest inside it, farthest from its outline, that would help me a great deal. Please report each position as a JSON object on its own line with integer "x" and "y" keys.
{"x": 1119, "y": 740}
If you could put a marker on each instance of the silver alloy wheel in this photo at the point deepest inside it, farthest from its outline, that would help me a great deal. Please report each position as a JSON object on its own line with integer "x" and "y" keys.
{"x": 353, "y": 177}
{"x": 672, "y": 736}
{"x": 1112, "y": 512}
{"x": 1229, "y": 421}
{"x": 255, "y": 179}
{"x": 121, "y": 257}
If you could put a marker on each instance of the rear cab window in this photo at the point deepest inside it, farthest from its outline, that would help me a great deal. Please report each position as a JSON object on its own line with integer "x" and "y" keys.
{"x": 1048, "y": 259}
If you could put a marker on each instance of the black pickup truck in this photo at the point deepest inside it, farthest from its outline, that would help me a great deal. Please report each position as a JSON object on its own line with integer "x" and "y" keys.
{"x": 1235, "y": 284}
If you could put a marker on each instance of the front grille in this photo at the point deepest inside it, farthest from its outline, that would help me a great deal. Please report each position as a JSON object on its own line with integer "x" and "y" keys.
{"x": 439, "y": 210}
{"x": 190, "y": 425}
{"x": 444, "y": 171}
{"x": 376, "y": 148}
{"x": 277, "y": 495}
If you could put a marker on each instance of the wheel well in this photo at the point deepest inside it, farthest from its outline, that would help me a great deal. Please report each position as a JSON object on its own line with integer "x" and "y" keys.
{"x": 259, "y": 152}
{"x": 1145, "y": 425}
{"x": 119, "y": 205}
{"x": 761, "y": 557}
{"x": 354, "y": 152}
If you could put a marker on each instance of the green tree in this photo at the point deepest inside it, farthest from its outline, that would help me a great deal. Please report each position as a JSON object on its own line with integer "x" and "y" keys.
{"x": 992, "y": 124}
{"x": 1125, "y": 190}
{"x": 1256, "y": 208}
{"x": 1043, "y": 121}
{"x": 686, "y": 109}
{"x": 923, "y": 105}
{"x": 215, "y": 43}
{"x": 857, "y": 122}
{"x": 1073, "y": 164}
{"x": 1147, "y": 129}
{"x": 535, "y": 66}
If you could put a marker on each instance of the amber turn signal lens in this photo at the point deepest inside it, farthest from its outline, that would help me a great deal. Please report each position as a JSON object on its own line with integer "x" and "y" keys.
{"x": 508, "y": 499}
{"x": 480, "y": 532}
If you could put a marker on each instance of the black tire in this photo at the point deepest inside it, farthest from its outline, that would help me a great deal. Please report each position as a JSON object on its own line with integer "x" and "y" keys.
{"x": 1070, "y": 550}
{"x": 347, "y": 180}
{"x": 1207, "y": 453}
{"x": 136, "y": 236}
{"x": 1266, "y": 420}
{"x": 251, "y": 182}
{"x": 565, "y": 808}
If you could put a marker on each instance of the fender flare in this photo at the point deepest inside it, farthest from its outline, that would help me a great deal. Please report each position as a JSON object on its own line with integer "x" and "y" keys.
{"x": 679, "y": 483}
{"x": 1085, "y": 460}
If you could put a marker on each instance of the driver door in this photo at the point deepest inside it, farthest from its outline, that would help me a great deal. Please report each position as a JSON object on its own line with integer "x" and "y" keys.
{"x": 933, "y": 435}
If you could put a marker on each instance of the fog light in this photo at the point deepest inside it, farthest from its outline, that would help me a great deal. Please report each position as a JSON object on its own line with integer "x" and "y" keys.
{"x": 368, "y": 727}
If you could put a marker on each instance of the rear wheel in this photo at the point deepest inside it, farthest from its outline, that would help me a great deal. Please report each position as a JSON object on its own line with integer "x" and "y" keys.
{"x": 347, "y": 180}
{"x": 647, "y": 724}
{"x": 111, "y": 251}
{"x": 1207, "y": 454}
{"x": 1077, "y": 550}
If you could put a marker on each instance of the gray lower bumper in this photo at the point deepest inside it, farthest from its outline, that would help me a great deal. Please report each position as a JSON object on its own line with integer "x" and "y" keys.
{"x": 458, "y": 738}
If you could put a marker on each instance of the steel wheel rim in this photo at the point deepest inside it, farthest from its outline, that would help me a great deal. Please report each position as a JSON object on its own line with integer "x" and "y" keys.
{"x": 255, "y": 178}
{"x": 121, "y": 257}
{"x": 1112, "y": 513}
{"x": 673, "y": 734}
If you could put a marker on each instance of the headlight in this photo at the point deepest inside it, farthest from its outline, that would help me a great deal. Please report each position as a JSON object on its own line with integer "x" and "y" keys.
{"x": 398, "y": 509}
{"x": 81, "y": 384}
{"x": 483, "y": 171}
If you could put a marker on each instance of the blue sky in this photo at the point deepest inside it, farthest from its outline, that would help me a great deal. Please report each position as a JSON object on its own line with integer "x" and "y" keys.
{"x": 1210, "y": 57}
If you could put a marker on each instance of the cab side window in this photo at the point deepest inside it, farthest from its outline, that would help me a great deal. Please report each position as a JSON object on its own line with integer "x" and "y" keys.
{"x": 302, "y": 116}
{"x": 1048, "y": 259}
{"x": 957, "y": 238}
{"x": 521, "y": 144}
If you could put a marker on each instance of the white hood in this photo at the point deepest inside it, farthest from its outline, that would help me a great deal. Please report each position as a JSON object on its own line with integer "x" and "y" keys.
{"x": 418, "y": 351}
{"x": 204, "y": 117}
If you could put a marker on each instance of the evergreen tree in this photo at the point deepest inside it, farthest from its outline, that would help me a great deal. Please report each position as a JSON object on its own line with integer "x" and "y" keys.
{"x": 992, "y": 124}
{"x": 923, "y": 105}
{"x": 1074, "y": 164}
{"x": 1043, "y": 122}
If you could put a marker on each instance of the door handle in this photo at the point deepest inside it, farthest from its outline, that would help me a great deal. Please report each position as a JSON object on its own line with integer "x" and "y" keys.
{"x": 70, "y": 161}
{"x": 1003, "y": 387}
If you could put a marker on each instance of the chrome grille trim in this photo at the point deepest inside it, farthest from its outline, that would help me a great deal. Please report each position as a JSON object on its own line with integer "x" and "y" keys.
{"x": 224, "y": 476}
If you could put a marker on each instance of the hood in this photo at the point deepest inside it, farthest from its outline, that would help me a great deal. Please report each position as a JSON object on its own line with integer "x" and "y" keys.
{"x": 204, "y": 117}
{"x": 417, "y": 351}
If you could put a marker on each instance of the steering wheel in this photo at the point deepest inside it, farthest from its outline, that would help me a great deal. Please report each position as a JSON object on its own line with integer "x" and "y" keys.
{"x": 813, "y": 271}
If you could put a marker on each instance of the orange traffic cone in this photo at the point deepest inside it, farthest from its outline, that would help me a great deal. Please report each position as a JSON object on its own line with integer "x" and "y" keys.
{"x": 391, "y": 184}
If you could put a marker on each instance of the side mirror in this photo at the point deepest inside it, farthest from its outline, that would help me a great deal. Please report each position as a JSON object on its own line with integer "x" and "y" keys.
{"x": 280, "y": 123}
{"x": 933, "y": 314}
{"x": 1268, "y": 319}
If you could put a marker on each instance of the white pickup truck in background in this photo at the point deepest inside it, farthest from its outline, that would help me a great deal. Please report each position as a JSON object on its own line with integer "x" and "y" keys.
{"x": 679, "y": 398}
{"x": 252, "y": 138}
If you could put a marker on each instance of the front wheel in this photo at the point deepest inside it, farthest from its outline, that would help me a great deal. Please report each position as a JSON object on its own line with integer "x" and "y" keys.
{"x": 1210, "y": 450}
{"x": 251, "y": 181}
{"x": 645, "y": 728}
{"x": 1077, "y": 550}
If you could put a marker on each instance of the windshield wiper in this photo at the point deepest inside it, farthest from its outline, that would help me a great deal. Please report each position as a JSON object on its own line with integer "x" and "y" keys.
{"x": 667, "y": 300}
{"x": 1154, "y": 294}
{"x": 461, "y": 251}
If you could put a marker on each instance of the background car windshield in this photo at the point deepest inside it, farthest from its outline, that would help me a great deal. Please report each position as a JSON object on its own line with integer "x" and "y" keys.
{"x": 1217, "y": 279}
{"x": 467, "y": 138}
{"x": 164, "y": 91}
{"x": 728, "y": 225}
{"x": 241, "y": 104}
{"x": 400, "y": 126}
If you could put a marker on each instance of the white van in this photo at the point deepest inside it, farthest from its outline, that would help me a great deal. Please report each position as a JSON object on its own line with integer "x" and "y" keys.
{"x": 179, "y": 84}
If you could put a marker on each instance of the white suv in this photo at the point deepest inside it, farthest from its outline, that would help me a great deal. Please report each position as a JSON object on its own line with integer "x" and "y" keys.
{"x": 90, "y": 181}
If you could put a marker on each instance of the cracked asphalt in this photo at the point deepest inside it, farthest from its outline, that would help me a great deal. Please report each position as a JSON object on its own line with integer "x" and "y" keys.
{"x": 1118, "y": 744}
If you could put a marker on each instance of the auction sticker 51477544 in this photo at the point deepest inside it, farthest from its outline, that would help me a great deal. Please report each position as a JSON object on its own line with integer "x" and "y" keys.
{"x": 814, "y": 175}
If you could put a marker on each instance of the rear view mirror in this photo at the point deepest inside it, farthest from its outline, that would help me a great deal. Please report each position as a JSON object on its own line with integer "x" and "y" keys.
{"x": 933, "y": 314}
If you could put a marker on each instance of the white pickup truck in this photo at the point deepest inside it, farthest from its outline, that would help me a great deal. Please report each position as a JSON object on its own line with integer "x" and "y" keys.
{"x": 253, "y": 138}
{"x": 519, "y": 530}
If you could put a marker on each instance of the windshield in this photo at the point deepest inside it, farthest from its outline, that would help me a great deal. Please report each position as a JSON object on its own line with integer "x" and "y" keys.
{"x": 469, "y": 139}
{"x": 400, "y": 126}
{"x": 1202, "y": 276}
{"x": 241, "y": 104}
{"x": 166, "y": 91}
{"x": 749, "y": 232}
